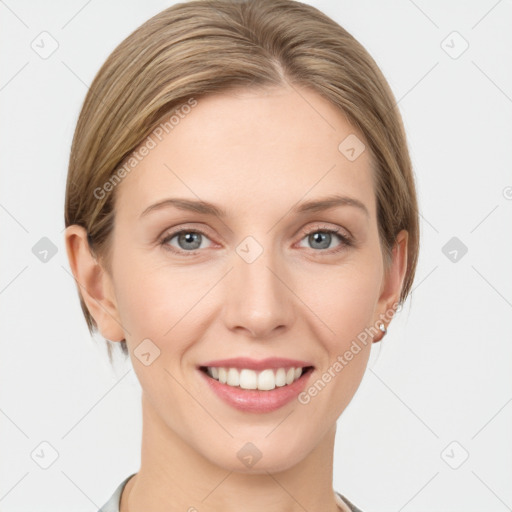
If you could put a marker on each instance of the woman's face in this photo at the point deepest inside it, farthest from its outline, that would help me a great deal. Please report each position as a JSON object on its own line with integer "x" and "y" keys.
{"x": 266, "y": 278}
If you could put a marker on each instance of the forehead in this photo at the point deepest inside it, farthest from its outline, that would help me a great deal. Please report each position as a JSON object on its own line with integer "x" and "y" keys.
{"x": 273, "y": 146}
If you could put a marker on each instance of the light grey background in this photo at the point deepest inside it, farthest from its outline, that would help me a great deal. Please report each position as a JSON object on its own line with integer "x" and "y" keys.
{"x": 442, "y": 374}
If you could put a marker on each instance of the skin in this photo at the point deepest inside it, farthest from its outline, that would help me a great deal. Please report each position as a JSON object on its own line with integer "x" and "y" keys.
{"x": 255, "y": 154}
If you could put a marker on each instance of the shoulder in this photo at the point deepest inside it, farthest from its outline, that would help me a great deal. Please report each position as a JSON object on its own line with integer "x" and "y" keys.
{"x": 350, "y": 505}
{"x": 112, "y": 505}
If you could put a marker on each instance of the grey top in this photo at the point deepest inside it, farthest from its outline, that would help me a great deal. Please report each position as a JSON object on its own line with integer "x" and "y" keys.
{"x": 112, "y": 504}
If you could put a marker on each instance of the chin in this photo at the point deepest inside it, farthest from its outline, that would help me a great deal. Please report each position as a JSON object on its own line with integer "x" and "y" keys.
{"x": 257, "y": 457}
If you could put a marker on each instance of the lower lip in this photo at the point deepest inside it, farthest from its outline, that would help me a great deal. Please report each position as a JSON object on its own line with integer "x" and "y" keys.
{"x": 255, "y": 400}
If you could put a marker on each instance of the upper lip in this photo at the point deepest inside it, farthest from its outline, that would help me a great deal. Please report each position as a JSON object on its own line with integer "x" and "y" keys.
{"x": 258, "y": 364}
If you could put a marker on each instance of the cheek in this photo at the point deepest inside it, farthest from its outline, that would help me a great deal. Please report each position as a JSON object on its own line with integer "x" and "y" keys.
{"x": 344, "y": 300}
{"x": 347, "y": 307}
{"x": 160, "y": 302}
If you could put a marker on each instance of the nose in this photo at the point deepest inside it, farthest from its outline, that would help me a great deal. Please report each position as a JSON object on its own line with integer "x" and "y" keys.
{"x": 258, "y": 297}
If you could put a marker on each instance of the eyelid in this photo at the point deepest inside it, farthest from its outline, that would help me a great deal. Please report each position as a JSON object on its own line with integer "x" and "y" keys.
{"x": 330, "y": 228}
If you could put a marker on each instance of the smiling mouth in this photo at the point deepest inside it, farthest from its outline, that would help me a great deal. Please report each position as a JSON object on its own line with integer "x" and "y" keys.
{"x": 265, "y": 380}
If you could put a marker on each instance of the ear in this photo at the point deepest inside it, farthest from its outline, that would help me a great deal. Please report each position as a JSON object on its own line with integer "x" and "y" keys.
{"x": 393, "y": 280}
{"x": 94, "y": 283}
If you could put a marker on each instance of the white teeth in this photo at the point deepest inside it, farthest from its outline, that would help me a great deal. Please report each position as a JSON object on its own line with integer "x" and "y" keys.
{"x": 233, "y": 377}
{"x": 266, "y": 380}
{"x": 250, "y": 379}
{"x": 280, "y": 377}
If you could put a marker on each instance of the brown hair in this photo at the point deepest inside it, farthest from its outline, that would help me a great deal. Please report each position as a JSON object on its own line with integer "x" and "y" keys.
{"x": 205, "y": 46}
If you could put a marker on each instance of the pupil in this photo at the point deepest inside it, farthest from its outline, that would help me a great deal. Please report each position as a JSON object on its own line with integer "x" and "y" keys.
{"x": 190, "y": 238}
{"x": 318, "y": 236}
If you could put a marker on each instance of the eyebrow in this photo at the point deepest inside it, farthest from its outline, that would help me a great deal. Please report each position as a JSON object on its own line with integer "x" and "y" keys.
{"x": 204, "y": 207}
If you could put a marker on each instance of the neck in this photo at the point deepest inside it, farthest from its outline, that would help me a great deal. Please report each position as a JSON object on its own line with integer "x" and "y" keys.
{"x": 173, "y": 474}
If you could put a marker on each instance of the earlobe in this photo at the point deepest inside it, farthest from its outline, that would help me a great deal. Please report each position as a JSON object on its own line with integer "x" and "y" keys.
{"x": 93, "y": 282}
{"x": 393, "y": 280}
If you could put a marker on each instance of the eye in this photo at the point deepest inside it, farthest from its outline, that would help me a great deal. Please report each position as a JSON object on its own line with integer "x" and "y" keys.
{"x": 187, "y": 240}
{"x": 192, "y": 240}
{"x": 322, "y": 238}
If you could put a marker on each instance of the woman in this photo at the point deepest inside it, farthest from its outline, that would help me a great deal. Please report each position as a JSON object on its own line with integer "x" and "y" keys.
{"x": 242, "y": 219}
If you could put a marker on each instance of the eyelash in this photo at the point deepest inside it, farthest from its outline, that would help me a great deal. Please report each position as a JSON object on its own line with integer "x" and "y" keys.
{"x": 346, "y": 241}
